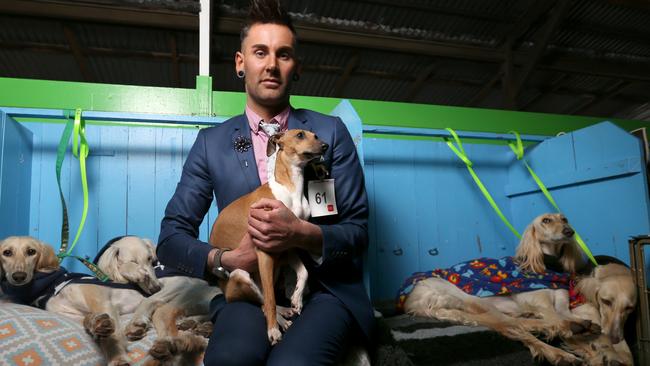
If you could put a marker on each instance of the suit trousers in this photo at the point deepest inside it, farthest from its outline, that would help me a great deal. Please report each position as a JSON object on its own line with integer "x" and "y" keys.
{"x": 320, "y": 335}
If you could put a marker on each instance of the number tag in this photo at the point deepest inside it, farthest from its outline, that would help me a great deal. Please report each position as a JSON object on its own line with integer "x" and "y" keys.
{"x": 321, "y": 196}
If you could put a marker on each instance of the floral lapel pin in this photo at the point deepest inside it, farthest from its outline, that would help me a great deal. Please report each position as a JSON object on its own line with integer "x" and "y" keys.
{"x": 242, "y": 144}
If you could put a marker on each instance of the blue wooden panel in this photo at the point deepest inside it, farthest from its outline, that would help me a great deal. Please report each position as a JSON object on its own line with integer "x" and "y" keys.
{"x": 132, "y": 173}
{"x": 141, "y": 182}
{"x": 35, "y": 181}
{"x": 370, "y": 258}
{"x": 426, "y": 211}
{"x": 393, "y": 228}
{"x": 169, "y": 164}
{"x": 608, "y": 206}
{"x": 15, "y": 177}
{"x": 350, "y": 117}
{"x": 112, "y": 157}
{"x": 46, "y": 218}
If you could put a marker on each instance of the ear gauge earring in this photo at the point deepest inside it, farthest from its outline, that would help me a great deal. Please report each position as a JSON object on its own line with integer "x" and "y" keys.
{"x": 241, "y": 74}
{"x": 296, "y": 77}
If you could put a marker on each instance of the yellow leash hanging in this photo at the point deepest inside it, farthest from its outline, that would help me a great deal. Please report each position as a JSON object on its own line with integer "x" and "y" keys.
{"x": 460, "y": 152}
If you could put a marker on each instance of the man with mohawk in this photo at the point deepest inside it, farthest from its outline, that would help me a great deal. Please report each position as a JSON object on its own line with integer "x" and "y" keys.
{"x": 228, "y": 161}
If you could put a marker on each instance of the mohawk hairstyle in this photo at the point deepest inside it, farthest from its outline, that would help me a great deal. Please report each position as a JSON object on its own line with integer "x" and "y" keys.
{"x": 266, "y": 12}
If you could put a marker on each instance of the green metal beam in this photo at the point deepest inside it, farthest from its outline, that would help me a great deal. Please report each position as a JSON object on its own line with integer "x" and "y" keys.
{"x": 29, "y": 93}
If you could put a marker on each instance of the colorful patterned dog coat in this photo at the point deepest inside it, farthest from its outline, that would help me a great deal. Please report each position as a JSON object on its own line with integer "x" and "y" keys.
{"x": 485, "y": 277}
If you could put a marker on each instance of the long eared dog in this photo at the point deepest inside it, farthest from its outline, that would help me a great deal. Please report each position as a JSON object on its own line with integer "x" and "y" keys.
{"x": 521, "y": 315}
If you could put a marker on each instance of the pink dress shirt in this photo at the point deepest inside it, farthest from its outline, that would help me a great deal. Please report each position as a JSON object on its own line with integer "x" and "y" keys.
{"x": 260, "y": 139}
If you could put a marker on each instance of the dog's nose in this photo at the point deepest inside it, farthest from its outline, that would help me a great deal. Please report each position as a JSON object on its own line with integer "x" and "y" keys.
{"x": 568, "y": 232}
{"x": 324, "y": 147}
{"x": 19, "y": 276}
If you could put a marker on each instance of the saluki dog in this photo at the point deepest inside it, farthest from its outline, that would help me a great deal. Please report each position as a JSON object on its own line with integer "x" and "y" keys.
{"x": 610, "y": 297}
{"x": 132, "y": 259}
{"x": 519, "y": 315}
{"x": 31, "y": 275}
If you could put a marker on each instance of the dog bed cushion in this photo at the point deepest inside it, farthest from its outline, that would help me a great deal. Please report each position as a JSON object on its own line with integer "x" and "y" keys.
{"x": 31, "y": 337}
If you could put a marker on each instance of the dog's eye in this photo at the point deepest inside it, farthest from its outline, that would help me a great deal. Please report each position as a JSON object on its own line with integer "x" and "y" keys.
{"x": 607, "y": 302}
{"x": 31, "y": 251}
{"x": 629, "y": 309}
{"x": 300, "y": 135}
{"x": 564, "y": 220}
{"x": 546, "y": 220}
{"x": 7, "y": 253}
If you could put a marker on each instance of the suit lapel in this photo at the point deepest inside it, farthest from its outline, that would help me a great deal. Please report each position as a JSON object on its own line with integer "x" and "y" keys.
{"x": 247, "y": 158}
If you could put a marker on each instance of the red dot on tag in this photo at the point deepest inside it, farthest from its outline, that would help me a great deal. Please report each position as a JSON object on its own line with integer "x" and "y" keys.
{"x": 330, "y": 208}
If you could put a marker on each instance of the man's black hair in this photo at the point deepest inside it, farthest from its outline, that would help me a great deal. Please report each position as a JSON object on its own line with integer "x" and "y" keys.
{"x": 266, "y": 12}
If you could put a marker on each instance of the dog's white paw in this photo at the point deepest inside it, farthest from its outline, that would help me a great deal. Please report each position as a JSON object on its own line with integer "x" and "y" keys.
{"x": 296, "y": 304}
{"x": 283, "y": 322}
{"x": 284, "y": 311}
{"x": 274, "y": 335}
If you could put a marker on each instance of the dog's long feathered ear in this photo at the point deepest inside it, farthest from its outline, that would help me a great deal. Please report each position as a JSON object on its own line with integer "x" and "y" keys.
{"x": 47, "y": 259}
{"x": 529, "y": 253}
{"x": 572, "y": 259}
{"x": 152, "y": 248}
{"x": 109, "y": 265}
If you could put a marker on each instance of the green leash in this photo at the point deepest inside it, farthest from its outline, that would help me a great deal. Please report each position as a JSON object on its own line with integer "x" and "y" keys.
{"x": 518, "y": 149}
{"x": 60, "y": 155}
{"x": 460, "y": 152}
{"x": 80, "y": 149}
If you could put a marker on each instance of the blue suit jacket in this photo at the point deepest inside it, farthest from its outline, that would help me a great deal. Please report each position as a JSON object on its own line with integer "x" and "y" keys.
{"x": 214, "y": 167}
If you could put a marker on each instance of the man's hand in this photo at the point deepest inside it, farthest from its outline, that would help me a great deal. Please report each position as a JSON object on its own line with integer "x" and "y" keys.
{"x": 272, "y": 226}
{"x": 243, "y": 257}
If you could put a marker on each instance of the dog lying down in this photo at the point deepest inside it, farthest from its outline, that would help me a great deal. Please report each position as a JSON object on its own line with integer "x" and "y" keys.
{"x": 130, "y": 259}
{"x": 31, "y": 275}
{"x": 124, "y": 260}
{"x": 610, "y": 297}
{"x": 518, "y": 315}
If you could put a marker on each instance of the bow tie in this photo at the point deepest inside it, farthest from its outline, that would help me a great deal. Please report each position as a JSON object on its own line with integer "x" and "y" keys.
{"x": 270, "y": 128}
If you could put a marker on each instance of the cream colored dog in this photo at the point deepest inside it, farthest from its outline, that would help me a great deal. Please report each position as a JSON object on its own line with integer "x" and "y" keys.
{"x": 97, "y": 307}
{"x": 131, "y": 259}
{"x": 611, "y": 296}
{"x": 518, "y": 316}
